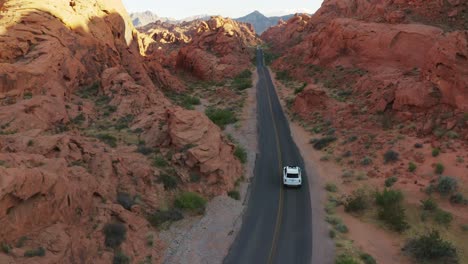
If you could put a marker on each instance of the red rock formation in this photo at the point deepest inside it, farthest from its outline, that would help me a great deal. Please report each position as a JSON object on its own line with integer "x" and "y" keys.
{"x": 219, "y": 49}
{"x": 68, "y": 74}
{"x": 421, "y": 67}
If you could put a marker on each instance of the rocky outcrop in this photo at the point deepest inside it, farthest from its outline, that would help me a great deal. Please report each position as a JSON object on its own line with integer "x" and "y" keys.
{"x": 221, "y": 48}
{"x": 81, "y": 117}
{"x": 421, "y": 68}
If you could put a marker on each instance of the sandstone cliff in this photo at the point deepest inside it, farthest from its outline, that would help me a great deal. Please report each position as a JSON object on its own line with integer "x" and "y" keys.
{"x": 421, "y": 68}
{"x": 82, "y": 118}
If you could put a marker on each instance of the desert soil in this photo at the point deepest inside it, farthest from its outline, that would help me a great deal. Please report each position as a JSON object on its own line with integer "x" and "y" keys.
{"x": 206, "y": 239}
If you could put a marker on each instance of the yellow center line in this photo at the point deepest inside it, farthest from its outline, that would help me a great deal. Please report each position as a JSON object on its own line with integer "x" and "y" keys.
{"x": 280, "y": 206}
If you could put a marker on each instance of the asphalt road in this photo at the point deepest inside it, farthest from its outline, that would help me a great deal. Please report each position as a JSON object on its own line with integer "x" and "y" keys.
{"x": 277, "y": 224}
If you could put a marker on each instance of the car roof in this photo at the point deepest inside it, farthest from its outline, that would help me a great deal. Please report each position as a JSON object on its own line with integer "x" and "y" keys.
{"x": 290, "y": 169}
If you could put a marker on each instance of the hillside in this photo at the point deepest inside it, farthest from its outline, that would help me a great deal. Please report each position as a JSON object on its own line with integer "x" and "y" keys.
{"x": 91, "y": 149}
{"x": 380, "y": 86}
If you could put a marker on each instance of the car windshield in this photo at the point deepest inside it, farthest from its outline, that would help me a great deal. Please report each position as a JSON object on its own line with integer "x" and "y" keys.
{"x": 292, "y": 175}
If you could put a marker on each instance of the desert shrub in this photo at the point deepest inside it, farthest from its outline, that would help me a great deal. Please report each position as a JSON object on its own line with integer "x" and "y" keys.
{"x": 21, "y": 241}
{"x": 390, "y": 181}
{"x": 169, "y": 181}
{"x": 158, "y": 218}
{"x": 37, "y": 252}
{"x": 418, "y": 145}
{"x": 195, "y": 177}
{"x": 125, "y": 200}
{"x": 120, "y": 258}
{"x": 283, "y": 76}
{"x": 190, "y": 201}
{"x": 391, "y": 156}
{"x": 188, "y": 101}
{"x": 220, "y": 117}
{"x": 429, "y": 204}
{"x": 159, "y": 161}
{"x": 331, "y": 233}
{"x": 357, "y": 202}
{"x": 435, "y": 152}
{"x": 79, "y": 119}
{"x": 367, "y": 259}
{"x": 89, "y": 91}
{"x": 412, "y": 167}
{"x": 115, "y": 234}
{"x": 366, "y": 161}
{"x": 142, "y": 149}
{"x": 300, "y": 89}
{"x": 391, "y": 210}
{"x": 431, "y": 247}
{"x": 124, "y": 122}
{"x": 342, "y": 228}
{"x": 457, "y": 198}
{"x": 331, "y": 187}
{"x": 234, "y": 194}
{"x": 443, "y": 218}
{"x": 464, "y": 228}
{"x": 108, "y": 139}
{"x": 345, "y": 259}
{"x": 447, "y": 185}
{"x": 322, "y": 142}
{"x": 240, "y": 153}
{"x": 6, "y": 248}
{"x": 439, "y": 168}
{"x": 243, "y": 80}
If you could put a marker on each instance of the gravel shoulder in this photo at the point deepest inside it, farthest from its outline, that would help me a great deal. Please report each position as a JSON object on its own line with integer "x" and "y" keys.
{"x": 207, "y": 238}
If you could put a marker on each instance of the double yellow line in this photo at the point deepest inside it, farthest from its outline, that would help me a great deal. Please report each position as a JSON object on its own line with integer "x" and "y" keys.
{"x": 281, "y": 194}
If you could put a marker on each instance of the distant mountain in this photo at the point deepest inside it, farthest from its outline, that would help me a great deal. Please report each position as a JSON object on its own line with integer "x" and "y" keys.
{"x": 261, "y": 22}
{"x": 140, "y": 19}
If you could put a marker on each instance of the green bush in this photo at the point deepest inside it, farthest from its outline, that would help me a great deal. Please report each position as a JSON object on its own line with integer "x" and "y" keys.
{"x": 391, "y": 156}
{"x": 342, "y": 228}
{"x": 142, "y": 149}
{"x": 443, "y": 218}
{"x": 159, "y": 161}
{"x": 108, "y": 139}
{"x": 38, "y": 252}
{"x": 300, "y": 89}
{"x": 390, "y": 181}
{"x": 439, "y": 168}
{"x": 195, "y": 177}
{"x": 457, "y": 198}
{"x": 345, "y": 259}
{"x": 120, "y": 258}
{"x": 21, "y": 241}
{"x": 240, "y": 153}
{"x": 190, "y": 201}
{"x": 412, "y": 167}
{"x": 429, "y": 205}
{"x": 367, "y": 259}
{"x": 158, "y": 218}
{"x": 331, "y": 187}
{"x": 115, "y": 234}
{"x": 243, "y": 80}
{"x": 366, "y": 161}
{"x": 447, "y": 185}
{"x": 322, "y": 142}
{"x": 283, "y": 76}
{"x": 391, "y": 210}
{"x": 435, "y": 152}
{"x": 431, "y": 247}
{"x": 169, "y": 181}
{"x": 124, "y": 122}
{"x": 6, "y": 248}
{"x": 125, "y": 200}
{"x": 234, "y": 194}
{"x": 357, "y": 202}
{"x": 220, "y": 117}
{"x": 188, "y": 102}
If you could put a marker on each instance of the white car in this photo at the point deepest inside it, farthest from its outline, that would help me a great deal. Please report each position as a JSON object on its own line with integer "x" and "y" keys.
{"x": 292, "y": 176}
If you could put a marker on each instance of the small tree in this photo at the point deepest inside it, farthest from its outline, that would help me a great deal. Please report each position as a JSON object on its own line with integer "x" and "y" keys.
{"x": 391, "y": 211}
{"x": 431, "y": 247}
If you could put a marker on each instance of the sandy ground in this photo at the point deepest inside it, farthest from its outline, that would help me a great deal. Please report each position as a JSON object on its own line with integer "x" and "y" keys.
{"x": 206, "y": 239}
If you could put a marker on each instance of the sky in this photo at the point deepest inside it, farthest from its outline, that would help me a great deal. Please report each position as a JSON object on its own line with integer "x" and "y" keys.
{"x": 234, "y": 8}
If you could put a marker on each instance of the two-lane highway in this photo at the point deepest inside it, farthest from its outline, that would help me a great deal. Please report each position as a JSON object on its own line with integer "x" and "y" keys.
{"x": 277, "y": 224}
